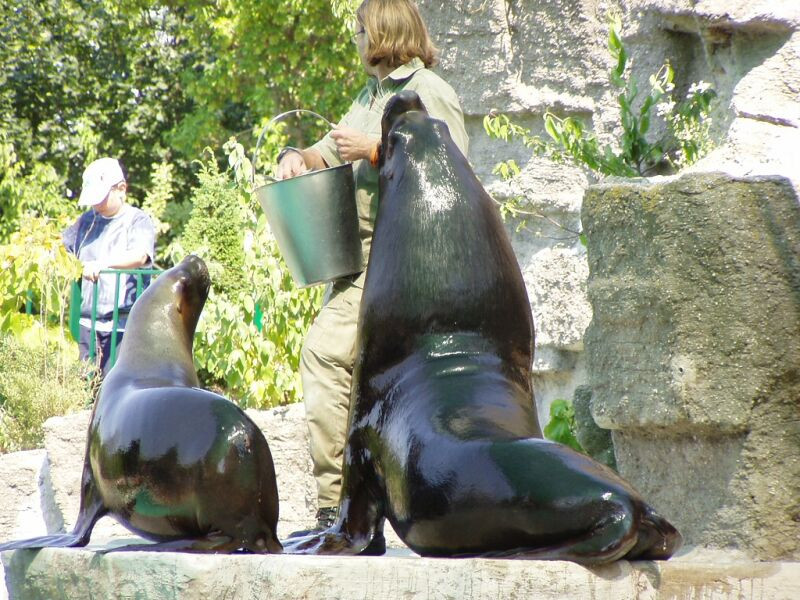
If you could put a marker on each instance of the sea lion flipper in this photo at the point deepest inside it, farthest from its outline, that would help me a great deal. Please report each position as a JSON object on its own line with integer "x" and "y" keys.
{"x": 360, "y": 519}
{"x": 657, "y": 538}
{"x": 78, "y": 537}
{"x": 61, "y": 540}
{"x": 92, "y": 509}
{"x": 211, "y": 543}
{"x": 330, "y": 541}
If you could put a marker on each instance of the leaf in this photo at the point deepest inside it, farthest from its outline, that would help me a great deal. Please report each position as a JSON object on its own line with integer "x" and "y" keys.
{"x": 551, "y": 127}
{"x": 562, "y": 425}
{"x": 646, "y": 105}
{"x": 644, "y": 124}
{"x": 623, "y": 102}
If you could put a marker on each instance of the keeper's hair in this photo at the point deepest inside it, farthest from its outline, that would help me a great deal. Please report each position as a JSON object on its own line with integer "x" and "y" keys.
{"x": 396, "y": 32}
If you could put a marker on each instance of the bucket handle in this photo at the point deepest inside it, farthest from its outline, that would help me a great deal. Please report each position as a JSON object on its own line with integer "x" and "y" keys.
{"x": 269, "y": 123}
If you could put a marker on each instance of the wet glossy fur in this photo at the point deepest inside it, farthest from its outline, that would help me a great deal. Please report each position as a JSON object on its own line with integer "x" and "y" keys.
{"x": 174, "y": 463}
{"x": 443, "y": 438}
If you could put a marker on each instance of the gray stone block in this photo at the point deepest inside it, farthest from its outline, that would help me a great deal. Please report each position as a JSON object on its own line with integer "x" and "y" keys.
{"x": 20, "y": 494}
{"x": 693, "y": 349}
{"x": 58, "y": 574}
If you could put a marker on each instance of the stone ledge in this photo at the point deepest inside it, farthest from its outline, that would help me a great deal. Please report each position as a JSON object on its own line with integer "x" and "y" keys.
{"x": 55, "y": 573}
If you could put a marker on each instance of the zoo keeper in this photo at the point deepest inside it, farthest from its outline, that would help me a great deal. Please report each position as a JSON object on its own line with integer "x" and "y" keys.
{"x": 397, "y": 53}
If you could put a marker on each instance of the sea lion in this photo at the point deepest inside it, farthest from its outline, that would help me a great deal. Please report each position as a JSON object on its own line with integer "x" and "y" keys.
{"x": 170, "y": 461}
{"x": 443, "y": 438}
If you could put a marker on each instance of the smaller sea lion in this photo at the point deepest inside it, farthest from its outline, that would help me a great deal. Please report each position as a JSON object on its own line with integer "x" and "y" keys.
{"x": 170, "y": 461}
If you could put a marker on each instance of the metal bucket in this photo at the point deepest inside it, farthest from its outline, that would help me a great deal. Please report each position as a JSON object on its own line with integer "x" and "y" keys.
{"x": 315, "y": 222}
{"x": 314, "y": 219}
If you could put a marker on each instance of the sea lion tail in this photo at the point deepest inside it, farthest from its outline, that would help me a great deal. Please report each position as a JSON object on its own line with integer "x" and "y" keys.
{"x": 657, "y": 538}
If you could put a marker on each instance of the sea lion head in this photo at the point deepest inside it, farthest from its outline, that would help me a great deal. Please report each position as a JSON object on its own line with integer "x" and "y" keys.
{"x": 457, "y": 271}
{"x": 407, "y": 129}
{"x": 189, "y": 284}
{"x": 160, "y": 329}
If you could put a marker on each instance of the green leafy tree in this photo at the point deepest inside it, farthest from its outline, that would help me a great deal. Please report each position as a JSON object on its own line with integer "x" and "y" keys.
{"x": 345, "y": 9}
{"x": 216, "y": 227}
{"x": 259, "y": 59}
{"x": 83, "y": 79}
{"x": 28, "y": 192}
{"x": 155, "y": 81}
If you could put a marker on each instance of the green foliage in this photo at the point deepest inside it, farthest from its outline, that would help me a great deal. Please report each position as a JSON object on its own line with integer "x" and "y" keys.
{"x": 345, "y": 9}
{"x": 215, "y": 230}
{"x": 561, "y": 427}
{"x": 81, "y": 80}
{"x": 254, "y": 362}
{"x": 684, "y": 141}
{"x": 35, "y": 261}
{"x": 26, "y": 193}
{"x": 169, "y": 215}
{"x": 257, "y": 59}
{"x": 690, "y": 125}
{"x": 153, "y": 82}
{"x": 38, "y": 381}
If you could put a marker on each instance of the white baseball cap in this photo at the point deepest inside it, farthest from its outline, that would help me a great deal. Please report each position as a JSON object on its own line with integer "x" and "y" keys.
{"x": 98, "y": 179}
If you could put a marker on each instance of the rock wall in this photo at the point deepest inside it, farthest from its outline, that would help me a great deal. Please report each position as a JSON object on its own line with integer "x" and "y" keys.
{"x": 713, "y": 473}
{"x": 522, "y": 57}
{"x": 694, "y": 348}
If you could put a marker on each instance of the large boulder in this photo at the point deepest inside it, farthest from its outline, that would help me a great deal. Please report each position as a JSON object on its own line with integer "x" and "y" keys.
{"x": 693, "y": 351}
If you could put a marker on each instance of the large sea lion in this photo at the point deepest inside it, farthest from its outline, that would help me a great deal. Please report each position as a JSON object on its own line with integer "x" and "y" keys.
{"x": 443, "y": 438}
{"x": 174, "y": 463}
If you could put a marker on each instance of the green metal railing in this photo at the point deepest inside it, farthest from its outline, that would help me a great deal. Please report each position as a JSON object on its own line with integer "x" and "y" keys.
{"x": 76, "y": 301}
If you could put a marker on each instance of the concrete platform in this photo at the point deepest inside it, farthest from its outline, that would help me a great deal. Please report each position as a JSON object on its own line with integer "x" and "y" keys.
{"x": 54, "y": 573}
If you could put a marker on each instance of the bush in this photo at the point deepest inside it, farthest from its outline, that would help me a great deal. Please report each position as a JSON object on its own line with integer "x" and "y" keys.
{"x": 215, "y": 230}
{"x": 39, "y": 378}
{"x": 26, "y": 193}
{"x": 34, "y": 264}
{"x": 252, "y": 328}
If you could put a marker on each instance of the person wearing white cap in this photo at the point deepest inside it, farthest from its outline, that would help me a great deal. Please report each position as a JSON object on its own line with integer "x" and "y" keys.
{"x": 110, "y": 235}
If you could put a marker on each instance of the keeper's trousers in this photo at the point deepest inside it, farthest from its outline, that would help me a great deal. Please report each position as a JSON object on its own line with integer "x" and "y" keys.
{"x": 326, "y": 370}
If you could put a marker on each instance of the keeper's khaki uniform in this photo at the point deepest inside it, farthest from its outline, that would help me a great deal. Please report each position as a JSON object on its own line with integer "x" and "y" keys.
{"x": 326, "y": 362}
